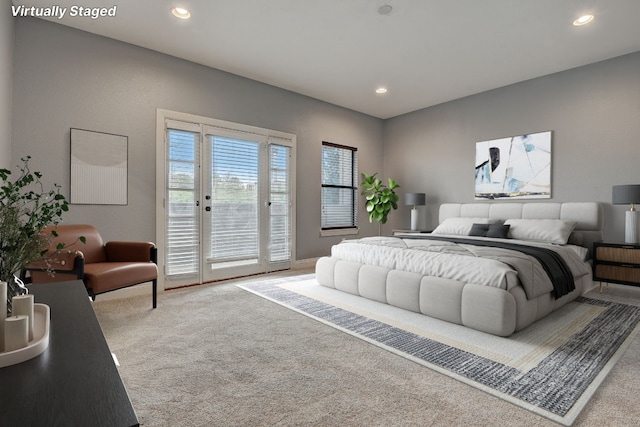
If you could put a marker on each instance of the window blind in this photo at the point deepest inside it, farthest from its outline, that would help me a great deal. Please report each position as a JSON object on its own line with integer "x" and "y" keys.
{"x": 234, "y": 199}
{"x": 339, "y": 186}
{"x": 182, "y": 218}
{"x": 279, "y": 203}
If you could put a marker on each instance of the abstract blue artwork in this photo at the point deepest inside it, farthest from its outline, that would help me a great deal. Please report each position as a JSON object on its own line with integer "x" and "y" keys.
{"x": 516, "y": 167}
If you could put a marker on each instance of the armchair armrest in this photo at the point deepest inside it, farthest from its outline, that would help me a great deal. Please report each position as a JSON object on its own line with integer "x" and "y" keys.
{"x": 63, "y": 262}
{"x": 120, "y": 251}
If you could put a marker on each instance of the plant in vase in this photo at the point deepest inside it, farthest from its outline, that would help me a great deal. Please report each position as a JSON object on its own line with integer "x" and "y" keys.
{"x": 381, "y": 199}
{"x": 25, "y": 209}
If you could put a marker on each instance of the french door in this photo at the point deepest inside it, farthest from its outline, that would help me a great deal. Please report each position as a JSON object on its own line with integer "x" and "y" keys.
{"x": 228, "y": 201}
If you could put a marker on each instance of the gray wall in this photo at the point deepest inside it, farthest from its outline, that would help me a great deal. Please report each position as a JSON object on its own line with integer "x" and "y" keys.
{"x": 68, "y": 78}
{"x": 593, "y": 111}
{"x": 6, "y": 82}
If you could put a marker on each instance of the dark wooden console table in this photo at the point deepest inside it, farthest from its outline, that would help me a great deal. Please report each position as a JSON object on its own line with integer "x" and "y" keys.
{"x": 74, "y": 382}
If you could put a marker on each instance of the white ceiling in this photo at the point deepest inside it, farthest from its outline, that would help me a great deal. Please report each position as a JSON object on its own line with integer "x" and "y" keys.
{"x": 426, "y": 51}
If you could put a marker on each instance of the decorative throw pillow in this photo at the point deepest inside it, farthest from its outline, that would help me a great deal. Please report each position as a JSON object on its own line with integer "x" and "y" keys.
{"x": 541, "y": 230}
{"x": 499, "y": 231}
{"x": 461, "y": 226}
{"x": 479, "y": 230}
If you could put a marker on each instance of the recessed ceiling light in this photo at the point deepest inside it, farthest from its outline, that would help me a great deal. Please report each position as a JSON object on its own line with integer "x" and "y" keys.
{"x": 181, "y": 13}
{"x": 381, "y": 90}
{"x": 385, "y": 9}
{"x": 583, "y": 20}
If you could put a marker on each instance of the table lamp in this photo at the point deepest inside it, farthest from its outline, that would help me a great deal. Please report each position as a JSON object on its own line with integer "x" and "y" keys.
{"x": 415, "y": 199}
{"x": 623, "y": 195}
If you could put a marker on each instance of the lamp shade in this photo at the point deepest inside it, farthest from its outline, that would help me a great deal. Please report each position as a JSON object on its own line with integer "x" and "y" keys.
{"x": 626, "y": 194}
{"x": 415, "y": 199}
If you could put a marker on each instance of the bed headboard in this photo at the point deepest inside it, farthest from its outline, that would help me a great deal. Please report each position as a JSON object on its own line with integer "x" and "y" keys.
{"x": 588, "y": 215}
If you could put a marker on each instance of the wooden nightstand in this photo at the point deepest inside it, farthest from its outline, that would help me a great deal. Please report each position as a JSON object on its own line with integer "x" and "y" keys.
{"x": 616, "y": 263}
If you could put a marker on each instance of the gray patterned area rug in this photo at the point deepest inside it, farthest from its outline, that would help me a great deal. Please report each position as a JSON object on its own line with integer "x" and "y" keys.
{"x": 551, "y": 368}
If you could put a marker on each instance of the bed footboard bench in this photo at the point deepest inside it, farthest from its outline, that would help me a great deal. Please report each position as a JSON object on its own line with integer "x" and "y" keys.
{"x": 488, "y": 309}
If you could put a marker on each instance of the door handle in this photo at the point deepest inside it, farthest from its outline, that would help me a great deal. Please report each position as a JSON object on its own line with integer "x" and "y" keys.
{"x": 208, "y": 208}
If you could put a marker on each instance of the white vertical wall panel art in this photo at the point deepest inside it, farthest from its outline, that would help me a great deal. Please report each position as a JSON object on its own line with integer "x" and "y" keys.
{"x": 98, "y": 168}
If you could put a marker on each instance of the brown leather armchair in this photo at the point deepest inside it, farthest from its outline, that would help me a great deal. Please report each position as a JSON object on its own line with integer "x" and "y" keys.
{"x": 102, "y": 267}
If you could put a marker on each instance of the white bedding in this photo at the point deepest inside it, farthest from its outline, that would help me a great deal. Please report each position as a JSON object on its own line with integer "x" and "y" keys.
{"x": 473, "y": 286}
{"x": 487, "y": 266}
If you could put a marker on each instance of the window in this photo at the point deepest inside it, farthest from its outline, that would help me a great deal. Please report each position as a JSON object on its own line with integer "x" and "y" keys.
{"x": 339, "y": 187}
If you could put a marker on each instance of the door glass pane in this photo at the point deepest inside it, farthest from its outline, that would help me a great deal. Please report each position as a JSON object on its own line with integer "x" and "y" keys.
{"x": 234, "y": 202}
{"x": 279, "y": 194}
{"x": 182, "y": 228}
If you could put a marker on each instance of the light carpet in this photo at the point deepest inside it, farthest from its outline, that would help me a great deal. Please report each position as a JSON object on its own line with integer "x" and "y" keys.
{"x": 551, "y": 368}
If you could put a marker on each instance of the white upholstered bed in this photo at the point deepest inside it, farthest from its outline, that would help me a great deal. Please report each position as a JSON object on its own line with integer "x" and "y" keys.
{"x": 464, "y": 279}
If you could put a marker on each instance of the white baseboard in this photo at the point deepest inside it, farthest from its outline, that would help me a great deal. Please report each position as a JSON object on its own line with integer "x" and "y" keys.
{"x": 301, "y": 264}
{"x": 145, "y": 288}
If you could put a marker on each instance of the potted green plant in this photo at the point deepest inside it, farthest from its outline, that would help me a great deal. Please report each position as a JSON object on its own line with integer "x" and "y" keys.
{"x": 381, "y": 199}
{"x": 25, "y": 209}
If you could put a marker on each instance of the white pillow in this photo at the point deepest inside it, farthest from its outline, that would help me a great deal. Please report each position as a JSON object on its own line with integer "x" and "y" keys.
{"x": 541, "y": 230}
{"x": 461, "y": 226}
